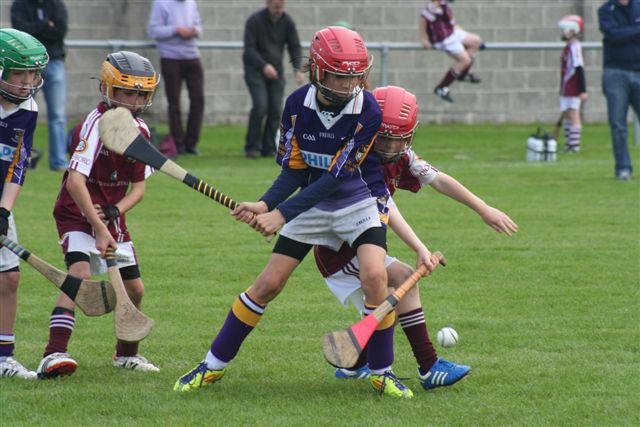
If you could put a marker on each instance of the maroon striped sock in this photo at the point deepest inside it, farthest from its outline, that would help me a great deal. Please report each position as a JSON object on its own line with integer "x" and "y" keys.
{"x": 415, "y": 328}
{"x": 61, "y": 324}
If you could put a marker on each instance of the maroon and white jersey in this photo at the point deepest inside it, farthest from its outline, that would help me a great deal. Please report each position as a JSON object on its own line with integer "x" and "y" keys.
{"x": 409, "y": 172}
{"x": 440, "y": 22}
{"x": 108, "y": 177}
{"x": 570, "y": 60}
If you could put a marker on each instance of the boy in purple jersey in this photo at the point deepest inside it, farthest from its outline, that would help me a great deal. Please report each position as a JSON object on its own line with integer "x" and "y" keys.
{"x": 573, "y": 87}
{"x": 327, "y": 131}
{"x": 404, "y": 169}
{"x": 438, "y": 30}
{"x": 97, "y": 189}
{"x": 22, "y": 60}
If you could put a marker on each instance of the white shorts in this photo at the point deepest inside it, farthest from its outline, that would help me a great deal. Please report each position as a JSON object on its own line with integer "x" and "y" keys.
{"x": 332, "y": 228}
{"x": 77, "y": 241}
{"x": 8, "y": 259}
{"x": 567, "y": 102}
{"x": 346, "y": 286}
{"x": 453, "y": 44}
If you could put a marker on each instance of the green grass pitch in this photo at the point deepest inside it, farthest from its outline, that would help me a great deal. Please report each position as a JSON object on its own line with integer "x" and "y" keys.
{"x": 548, "y": 319}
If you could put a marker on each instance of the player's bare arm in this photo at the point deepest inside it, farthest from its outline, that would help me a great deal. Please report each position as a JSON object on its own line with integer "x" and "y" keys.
{"x": 493, "y": 217}
{"x": 424, "y": 38}
{"x": 10, "y": 193}
{"x": 402, "y": 228}
{"x": 76, "y": 185}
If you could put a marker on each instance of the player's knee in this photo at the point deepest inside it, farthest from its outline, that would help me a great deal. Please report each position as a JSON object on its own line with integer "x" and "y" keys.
{"x": 266, "y": 288}
{"x": 374, "y": 278}
{"x": 9, "y": 283}
{"x": 398, "y": 273}
{"x": 135, "y": 290}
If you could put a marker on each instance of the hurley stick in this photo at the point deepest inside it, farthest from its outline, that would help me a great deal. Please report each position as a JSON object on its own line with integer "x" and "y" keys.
{"x": 131, "y": 324}
{"x": 120, "y": 134}
{"x": 94, "y": 297}
{"x": 342, "y": 348}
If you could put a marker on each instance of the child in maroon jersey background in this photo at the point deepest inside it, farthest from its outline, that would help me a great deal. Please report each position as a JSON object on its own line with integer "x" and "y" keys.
{"x": 439, "y": 30}
{"x": 573, "y": 87}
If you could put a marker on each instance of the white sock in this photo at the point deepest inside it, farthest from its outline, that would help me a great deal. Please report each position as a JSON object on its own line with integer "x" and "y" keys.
{"x": 214, "y": 363}
{"x": 380, "y": 371}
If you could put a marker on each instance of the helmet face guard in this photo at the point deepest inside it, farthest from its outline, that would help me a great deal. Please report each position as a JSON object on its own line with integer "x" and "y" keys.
{"x": 128, "y": 71}
{"x": 399, "y": 122}
{"x": 21, "y": 52}
{"x": 391, "y": 147}
{"x": 341, "y": 54}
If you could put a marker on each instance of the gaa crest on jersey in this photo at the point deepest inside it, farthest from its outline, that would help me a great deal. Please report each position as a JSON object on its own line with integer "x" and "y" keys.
{"x": 82, "y": 146}
{"x": 362, "y": 151}
{"x": 114, "y": 176}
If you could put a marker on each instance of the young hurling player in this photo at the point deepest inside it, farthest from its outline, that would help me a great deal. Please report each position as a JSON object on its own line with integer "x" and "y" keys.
{"x": 404, "y": 169}
{"x": 573, "y": 87}
{"x": 22, "y": 60}
{"x": 327, "y": 131}
{"x": 438, "y": 30}
{"x": 97, "y": 190}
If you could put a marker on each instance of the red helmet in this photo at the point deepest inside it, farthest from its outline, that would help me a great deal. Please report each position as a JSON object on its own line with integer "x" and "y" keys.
{"x": 571, "y": 23}
{"x": 399, "y": 121}
{"x": 342, "y": 52}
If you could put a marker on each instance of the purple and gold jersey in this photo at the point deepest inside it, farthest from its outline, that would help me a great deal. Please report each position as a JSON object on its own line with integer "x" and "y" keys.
{"x": 339, "y": 144}
{"x": 16, "y": 139}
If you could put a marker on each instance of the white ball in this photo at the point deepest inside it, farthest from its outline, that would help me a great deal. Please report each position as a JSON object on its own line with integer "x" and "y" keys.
{"x": 447, "y": 337}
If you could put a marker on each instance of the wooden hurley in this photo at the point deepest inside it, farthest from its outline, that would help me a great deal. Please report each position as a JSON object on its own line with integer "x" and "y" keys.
{"x": 342, "y": 348}
{"x": 94, "y": 297}
{"x": 120, "y": 134}
{"x": 131, "y": 324}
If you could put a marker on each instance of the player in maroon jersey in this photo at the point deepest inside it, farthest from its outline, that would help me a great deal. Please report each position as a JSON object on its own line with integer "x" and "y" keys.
{"x": 404, "y": 169}
{"x": 98, "y": 188}
{"x": 438, "y": 30}
{"x": 573, "y": 87}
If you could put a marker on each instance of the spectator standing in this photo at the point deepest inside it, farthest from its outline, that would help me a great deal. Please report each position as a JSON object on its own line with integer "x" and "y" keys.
{"x": 620, "y": 25}
{"x": 175, "y": 25}
{"x": 46, "y": 20}
{"x": 266, "y": 33}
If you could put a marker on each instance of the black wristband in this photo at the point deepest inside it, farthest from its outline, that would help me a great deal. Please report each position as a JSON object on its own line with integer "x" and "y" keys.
{"x": 111, "y": 212}
{"x": 5, "y": 213}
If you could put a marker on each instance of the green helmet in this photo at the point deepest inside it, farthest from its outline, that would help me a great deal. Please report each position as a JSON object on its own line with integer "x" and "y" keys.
{"x": 20, "y": 51}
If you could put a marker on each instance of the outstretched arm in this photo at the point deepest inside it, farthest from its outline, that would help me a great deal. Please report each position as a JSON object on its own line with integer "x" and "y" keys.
{"x": 400, "y": 226}
{"x": 493, "y": 217}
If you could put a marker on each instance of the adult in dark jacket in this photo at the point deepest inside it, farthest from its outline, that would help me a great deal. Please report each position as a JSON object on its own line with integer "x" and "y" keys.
{"x": 620, "y": 25}
{"x": 266, "y": 33}
{"x": 46, "y": 20}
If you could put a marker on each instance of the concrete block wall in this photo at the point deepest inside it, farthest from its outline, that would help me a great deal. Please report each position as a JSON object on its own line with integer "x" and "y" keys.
{"x": 518, "y": 86}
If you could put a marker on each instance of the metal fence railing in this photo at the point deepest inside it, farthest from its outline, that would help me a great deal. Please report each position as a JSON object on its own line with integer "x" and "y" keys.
{"x": 384, "y": 48}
